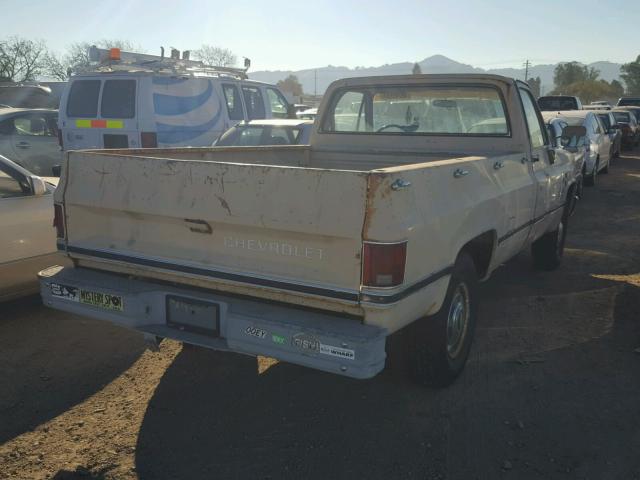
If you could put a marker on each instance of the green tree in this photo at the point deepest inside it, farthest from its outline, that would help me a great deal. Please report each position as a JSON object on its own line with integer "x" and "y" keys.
{"x": 631, "y": 76}
{"x": 416, "y": 70}
{"x": 21, "y": 59}
{"x": 535, "y": 84}
{"x": 291, "y": 84}
{"x": 572, "y": 72}
{"x": 215, "y": 56}
{"x": 592, "y": 90}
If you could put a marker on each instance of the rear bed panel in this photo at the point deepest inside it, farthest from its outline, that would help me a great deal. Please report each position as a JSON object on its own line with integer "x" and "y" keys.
{"x": 275, "y": 222}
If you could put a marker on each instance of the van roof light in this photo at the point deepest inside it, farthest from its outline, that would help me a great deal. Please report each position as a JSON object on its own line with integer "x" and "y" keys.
{"x": 114, "y": 54}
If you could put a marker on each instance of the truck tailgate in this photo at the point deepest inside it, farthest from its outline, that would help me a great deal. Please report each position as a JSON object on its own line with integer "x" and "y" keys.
{"x": 230, "y": 222}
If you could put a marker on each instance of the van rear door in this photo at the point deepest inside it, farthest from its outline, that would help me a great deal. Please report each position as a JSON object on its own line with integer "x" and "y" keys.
{"x": 100, "y": 113}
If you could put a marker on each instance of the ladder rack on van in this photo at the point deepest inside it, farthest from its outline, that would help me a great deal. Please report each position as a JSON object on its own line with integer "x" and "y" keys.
{"x": 115, "y": 60}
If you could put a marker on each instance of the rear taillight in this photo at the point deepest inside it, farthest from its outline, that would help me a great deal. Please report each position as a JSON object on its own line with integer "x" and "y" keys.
{"x": 148, "y": 139}
{"x": 58, "y": 219}
{"x": 60, "y": 142}
{"x": 383, "y": 264}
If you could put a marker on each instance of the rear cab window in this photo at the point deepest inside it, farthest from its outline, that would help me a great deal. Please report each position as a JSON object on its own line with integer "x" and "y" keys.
{"x": 418, "y": 110}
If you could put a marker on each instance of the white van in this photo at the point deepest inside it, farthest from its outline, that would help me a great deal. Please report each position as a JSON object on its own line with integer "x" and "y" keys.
{"x": 146, "y": 101}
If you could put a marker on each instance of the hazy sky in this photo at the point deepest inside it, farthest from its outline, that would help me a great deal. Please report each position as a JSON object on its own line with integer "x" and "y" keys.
{"x": 305, "y": 34}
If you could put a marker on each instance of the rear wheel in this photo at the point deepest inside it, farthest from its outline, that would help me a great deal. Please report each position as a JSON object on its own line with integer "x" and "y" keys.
{"x": 440, "y": 344}
{"x": 548, "y": 250}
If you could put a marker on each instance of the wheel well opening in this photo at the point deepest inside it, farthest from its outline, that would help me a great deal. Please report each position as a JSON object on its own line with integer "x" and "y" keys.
{"x": 481, "y": 250}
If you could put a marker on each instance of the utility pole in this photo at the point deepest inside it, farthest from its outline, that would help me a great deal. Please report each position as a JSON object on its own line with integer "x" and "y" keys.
{"x": 315, "y": 83}
{"x": 526, "y": 65}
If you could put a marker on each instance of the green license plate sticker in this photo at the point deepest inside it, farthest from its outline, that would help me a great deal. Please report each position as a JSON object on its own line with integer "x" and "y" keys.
{"x": 102, "y": 300}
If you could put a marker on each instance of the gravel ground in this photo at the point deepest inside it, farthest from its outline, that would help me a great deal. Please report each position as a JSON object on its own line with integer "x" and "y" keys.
{"x": 551, "y": 391}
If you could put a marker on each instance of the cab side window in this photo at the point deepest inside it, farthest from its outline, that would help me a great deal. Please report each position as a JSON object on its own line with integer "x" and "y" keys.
{"x": 234, "y": 104}
{"x": 536, "y": 129}
{"x": 254, "y": 102}
{"x": 32, "y": 125}
{"x": 278, "y": 103}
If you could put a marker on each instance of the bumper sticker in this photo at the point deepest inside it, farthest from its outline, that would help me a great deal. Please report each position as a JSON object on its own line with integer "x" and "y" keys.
{"x": 339, "y": 352}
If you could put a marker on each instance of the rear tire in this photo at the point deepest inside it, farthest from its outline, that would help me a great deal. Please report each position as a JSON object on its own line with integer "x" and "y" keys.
{"x": 548, "y": 250}
{"x": 440, "y": 344}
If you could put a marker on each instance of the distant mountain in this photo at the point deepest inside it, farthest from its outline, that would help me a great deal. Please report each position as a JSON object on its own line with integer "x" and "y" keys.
{"x": 319, "y": 79}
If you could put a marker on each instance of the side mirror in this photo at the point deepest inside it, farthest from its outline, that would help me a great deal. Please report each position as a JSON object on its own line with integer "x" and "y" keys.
{"x": 291, "y": 111}
{"x": 38, "y": 187}
{"x": 56, "y": 170}
{"x": 551, "y": 153}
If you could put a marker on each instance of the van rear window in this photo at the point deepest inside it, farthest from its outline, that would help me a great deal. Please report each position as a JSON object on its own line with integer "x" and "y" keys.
{"x": 83, "y": 99}
{"x": 118, "y": 99}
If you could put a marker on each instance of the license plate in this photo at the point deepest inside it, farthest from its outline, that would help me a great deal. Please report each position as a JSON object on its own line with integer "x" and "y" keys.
{"x": 103, "y": 300}
{"x": 195, "y": 316}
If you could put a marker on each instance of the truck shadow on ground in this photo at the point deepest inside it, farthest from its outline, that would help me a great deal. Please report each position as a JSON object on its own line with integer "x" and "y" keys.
{"x": 571, "y": 410}
{"x": 51, "y": 361}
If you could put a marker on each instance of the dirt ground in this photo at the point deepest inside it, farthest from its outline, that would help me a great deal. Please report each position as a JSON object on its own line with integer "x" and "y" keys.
{"x": 551, "y": 391}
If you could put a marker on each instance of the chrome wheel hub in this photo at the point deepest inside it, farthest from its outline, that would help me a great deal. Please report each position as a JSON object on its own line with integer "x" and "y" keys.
{"x": 458, "y": 320}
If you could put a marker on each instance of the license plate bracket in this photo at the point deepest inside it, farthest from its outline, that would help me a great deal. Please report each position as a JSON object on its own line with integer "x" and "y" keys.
{"x": 192, "y": 315}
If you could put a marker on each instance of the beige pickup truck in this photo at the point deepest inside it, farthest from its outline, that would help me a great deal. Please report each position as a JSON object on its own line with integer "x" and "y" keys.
{"x": 413, "y": 189}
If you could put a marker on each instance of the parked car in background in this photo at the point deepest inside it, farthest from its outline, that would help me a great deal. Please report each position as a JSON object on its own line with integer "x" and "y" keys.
{"x": 597, "y": 107}
{"x": 598, "y": 143}
{"x": 315, "y": 254}
{"x": 30, "y": 138}
{"x": 267, "y": 132}
{"x": 136, "y": 100}
{"x": 551, "y": 103}
{"x": 634, "y": 110}
{"x": 308, "y": 114}
{"x": 613, "y": 130}
{"x": 569, "y": 145}
{"x": 628, "y": 102}
{"x": 628, "y": 125}
{"x": 27, "y": 236}
{"x": 601, "y": 102}
{"x": 22, "y": 95}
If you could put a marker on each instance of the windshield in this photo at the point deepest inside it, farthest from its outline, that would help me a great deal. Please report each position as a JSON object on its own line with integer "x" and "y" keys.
{"x": 557, "y": 103}
{"x": 255, "y": 135}
{"x": 622, "y": 116}
{"x": 419, "y": 110}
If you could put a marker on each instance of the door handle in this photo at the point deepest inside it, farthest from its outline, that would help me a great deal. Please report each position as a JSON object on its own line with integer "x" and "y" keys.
{"x": 460, "y": 173}
{"x": 23, "y": 145}
{"x": 498, "y": 165}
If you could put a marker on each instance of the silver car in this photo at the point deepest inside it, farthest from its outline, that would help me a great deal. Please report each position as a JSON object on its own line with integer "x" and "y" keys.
{"x": 30, "y": 138}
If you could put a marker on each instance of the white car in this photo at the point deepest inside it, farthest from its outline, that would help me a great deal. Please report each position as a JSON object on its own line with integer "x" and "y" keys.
{"x": 599, "y": 146}
{"x": 27, "y": 236}
{"x": 283, "y": 131}
{"x": 29, "y": 136}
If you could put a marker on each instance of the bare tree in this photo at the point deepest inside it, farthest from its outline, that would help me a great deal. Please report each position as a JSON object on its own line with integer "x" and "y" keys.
{"x": 21, "y": 59}
{"x": 216, "y": 56}
{"x": 291, "y": 85}
{"x": 77, "y": 56}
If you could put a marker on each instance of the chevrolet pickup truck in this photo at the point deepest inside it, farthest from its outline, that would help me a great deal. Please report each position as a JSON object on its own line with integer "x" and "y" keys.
{"x": 412, "y": 190}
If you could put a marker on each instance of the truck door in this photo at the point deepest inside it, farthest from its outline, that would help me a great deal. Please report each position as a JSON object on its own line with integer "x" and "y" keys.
{"x": 548, "y": 179}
